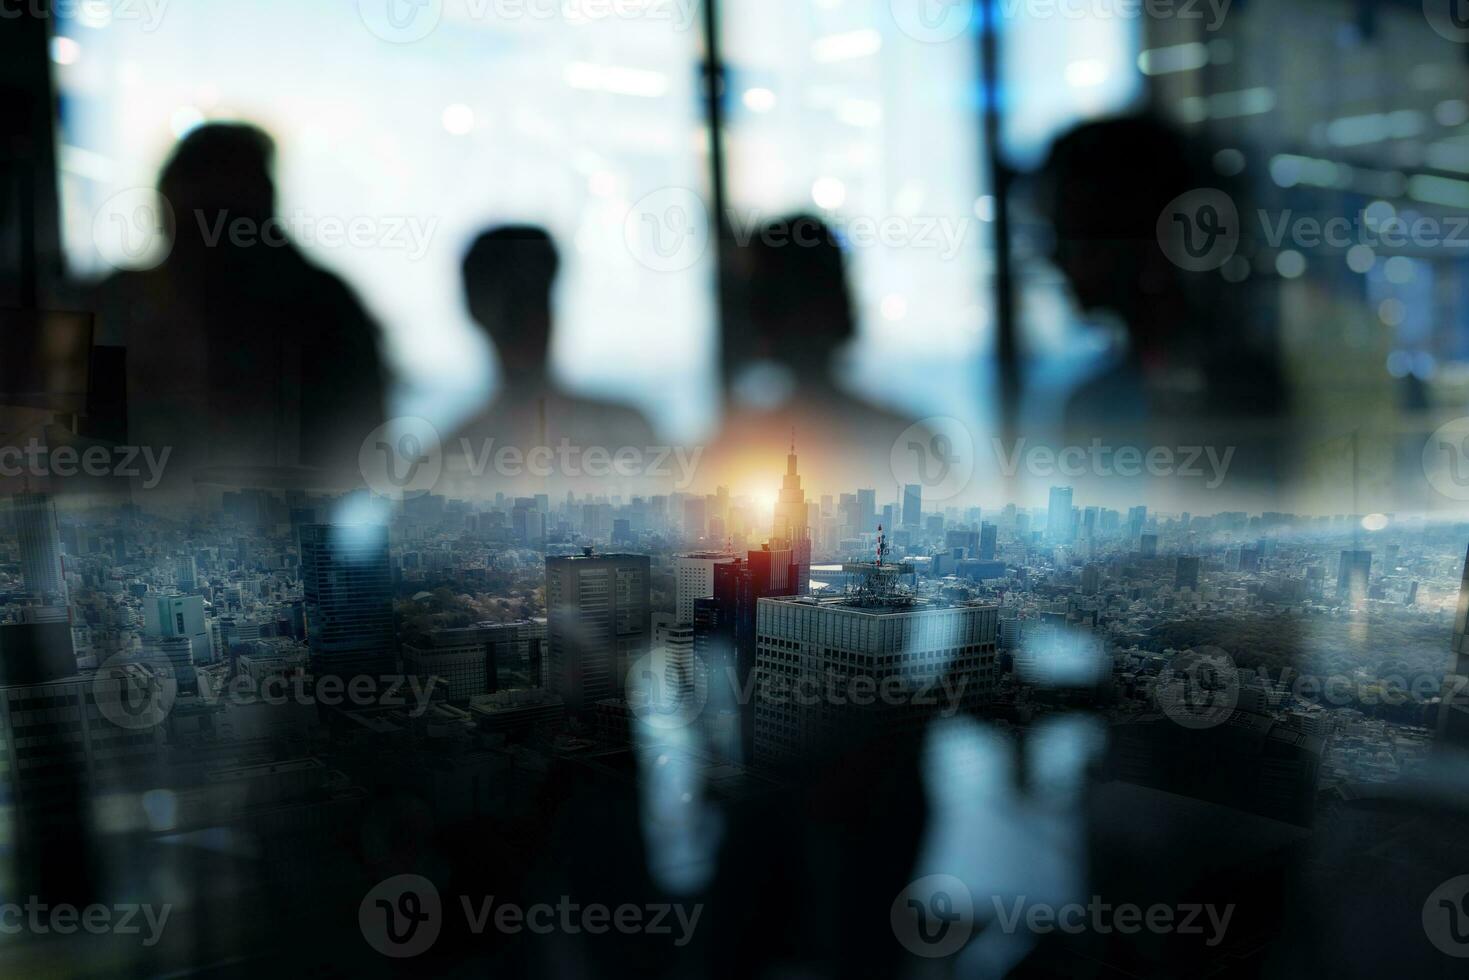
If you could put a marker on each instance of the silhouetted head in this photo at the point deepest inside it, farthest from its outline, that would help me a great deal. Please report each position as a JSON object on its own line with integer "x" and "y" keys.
{"x": 1103, "y": 189}
{"x": 800, "y": 307}
{"x": 219, "y": 169}
{"x": 508, "y": 275}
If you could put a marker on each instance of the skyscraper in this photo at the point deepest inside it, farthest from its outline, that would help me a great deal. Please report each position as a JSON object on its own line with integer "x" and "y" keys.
{"x": 186, "y": 573}
{"x": 347, "y": 587}
{"x": 963, "y": 538}
{"x": 468, "y": 659}
{"x": 792, "y": 530}
{"x": 527, "y": 523}
{"x": 899, "y": 648}
{"x": 674, "y": 646}
{"x": 867, "y": 510}
{"x": 104, "y": 744}
{"x": 172, "y": 656}
{"x": 1058, "y": 516}
{"x": 178, "y": 615}
{"x": 912, "y": 505}
{"x": 1353, "y": 575}
{"x": 599, "y": 624}
{"x": 1137, "y": 519}
{"x": 1453, "y": 714}
{"x": 724, "y": 638}
{"x": 1186, "y": 575}
{"x": 40, "y": 546}
{"x": 989, "y": 536}
{"x": 695, "y": 518}
{"x": 694, "y": 579}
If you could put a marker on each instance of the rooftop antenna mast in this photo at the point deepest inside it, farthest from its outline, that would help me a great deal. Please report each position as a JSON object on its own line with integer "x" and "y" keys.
{"x": 877, "y": 583}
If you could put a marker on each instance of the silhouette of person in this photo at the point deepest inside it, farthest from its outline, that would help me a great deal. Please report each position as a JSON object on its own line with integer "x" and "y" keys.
{"x": 798, "y": 314}
{"x": 509, "y": 273}
{"x": 241, "y": 353}
{"x": 1199, "y": 359}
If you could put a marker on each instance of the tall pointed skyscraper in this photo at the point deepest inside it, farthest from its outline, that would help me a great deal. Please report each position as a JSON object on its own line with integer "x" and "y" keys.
{"x": 792, "y": 529}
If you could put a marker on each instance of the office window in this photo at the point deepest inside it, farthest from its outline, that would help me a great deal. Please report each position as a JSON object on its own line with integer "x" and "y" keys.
{"x": 428, "y": 126}
{"x": 856, "y": 112}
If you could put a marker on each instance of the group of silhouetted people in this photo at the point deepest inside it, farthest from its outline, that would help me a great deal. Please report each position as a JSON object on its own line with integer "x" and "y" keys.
{"x": 251, "y": 358}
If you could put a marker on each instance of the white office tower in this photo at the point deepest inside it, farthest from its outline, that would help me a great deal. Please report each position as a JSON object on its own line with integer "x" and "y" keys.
{"x": 677, "y": 643}
{"x": 179, "y": 615}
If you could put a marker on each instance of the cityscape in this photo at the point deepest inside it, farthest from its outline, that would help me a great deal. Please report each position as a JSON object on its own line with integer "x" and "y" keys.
{"x": 260, "y": 671}
{"x": 734, "y": 489}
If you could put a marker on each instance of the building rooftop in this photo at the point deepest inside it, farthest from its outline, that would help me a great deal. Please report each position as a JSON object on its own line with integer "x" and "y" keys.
{"x": 593, "y": 556}
{"x": 882, "y": 605}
